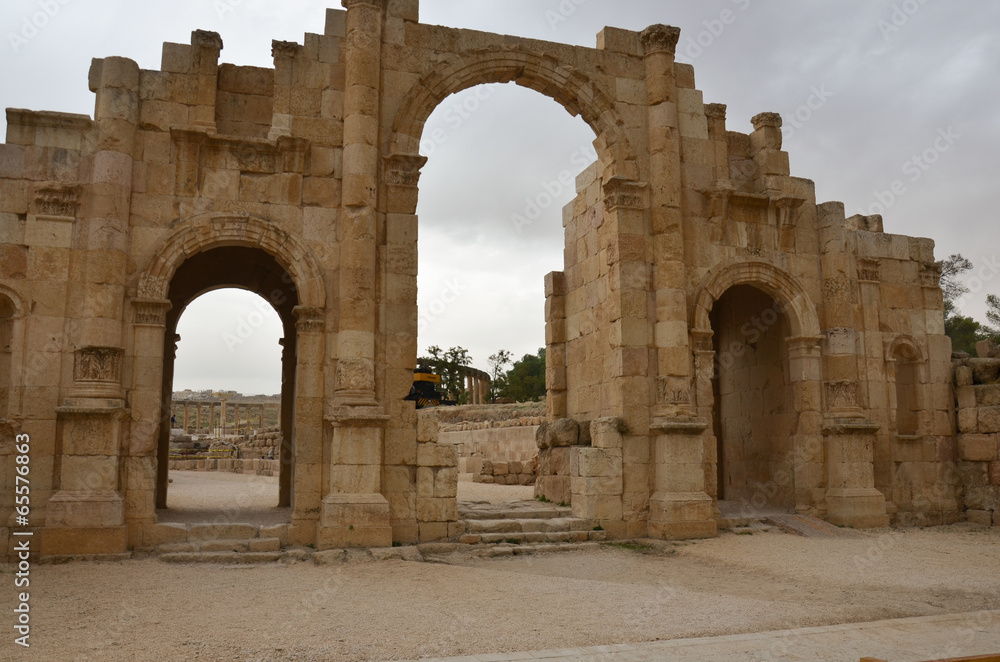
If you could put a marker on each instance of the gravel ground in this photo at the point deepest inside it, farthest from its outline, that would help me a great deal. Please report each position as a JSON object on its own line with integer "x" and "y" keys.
{"x": 145, "y": 609}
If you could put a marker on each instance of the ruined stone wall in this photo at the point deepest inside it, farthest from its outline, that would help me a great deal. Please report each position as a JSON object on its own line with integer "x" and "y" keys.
{"x": 977, "y": 387}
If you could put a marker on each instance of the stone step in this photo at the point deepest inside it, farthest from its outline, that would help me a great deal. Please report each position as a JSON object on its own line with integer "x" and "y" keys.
{"x": 229, "y": 558}
{"x": 234, "y": 545}
{"x": 518, "y": 510}
{"x": 533, "y": 537}
{"x": 543, "y": 525}
{"x": 490, "y": 551}
{"x": 222, "y": 531}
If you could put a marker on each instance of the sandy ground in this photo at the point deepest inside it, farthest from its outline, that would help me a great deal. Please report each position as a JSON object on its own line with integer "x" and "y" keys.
{"x": 145, "y": 609}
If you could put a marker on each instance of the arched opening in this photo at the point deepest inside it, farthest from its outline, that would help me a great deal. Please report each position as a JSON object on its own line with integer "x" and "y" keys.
{"x": 907, "y": 418}
{"x": 7, "y": 312}
{"x": 754, "y": 416}
{"x": 225, "y": 418}
{"x": 502, "y": 164}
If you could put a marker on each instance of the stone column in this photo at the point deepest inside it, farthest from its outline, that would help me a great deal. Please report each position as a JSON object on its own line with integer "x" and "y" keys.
{"x": 211, "y": 417}
{"x": 150, "y": 415}
{"x": 197, "y": 417}
{"x": 555, "y": 345}
{"x": 805, "y": 370}
{"x": 222, "y": 417}
{"x": 91, "y": 419}
{"x": 286, "y": 423}
{"x": 184, "y": 427}
{"x": 362, "y": 52}
{"x": 851, "y": 498}
{"x": 673, "y": 351}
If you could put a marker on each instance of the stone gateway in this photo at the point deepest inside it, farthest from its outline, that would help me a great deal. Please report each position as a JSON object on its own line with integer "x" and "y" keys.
{"x": 716, "y": 334}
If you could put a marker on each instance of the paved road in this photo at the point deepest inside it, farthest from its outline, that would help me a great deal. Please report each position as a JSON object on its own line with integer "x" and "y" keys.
{"x": 900, "y": 640}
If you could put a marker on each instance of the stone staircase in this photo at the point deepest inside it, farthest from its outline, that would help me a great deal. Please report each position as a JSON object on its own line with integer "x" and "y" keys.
{"x": 526, "y": 527}
{"x": 224, "y": 543}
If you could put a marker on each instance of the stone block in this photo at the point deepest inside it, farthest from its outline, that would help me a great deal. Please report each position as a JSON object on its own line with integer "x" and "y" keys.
{"x": 436, "y": 455}
{"x": 989, "y": 419}
{"x": 978, "y": 447}
{"x": 607, "y": 432}
{"x": 968, "y": 420}
{"x": 427, "y": 426}
{"x": 595, "y": 462}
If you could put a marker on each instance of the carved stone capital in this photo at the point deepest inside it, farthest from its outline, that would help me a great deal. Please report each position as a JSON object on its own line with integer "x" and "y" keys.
{"x": 660, "y": 39}
{"x": 715, "y": 110}
{"x": 285, "y": 49}
{"x": 98, "y": 364}
{"x": 309, "y": 320}
{"x": 701, "y": 340}
{"x": 930, "y": 274}
{"x": 151, "y": 312}
{"x": 57, "y": 200}
{"x": 206, "y": 39}
{"x": 151, "y": 287}
{"x": 842, "y": 395}
{"x": 764, "y": 120}
{"x": 625, "y": 194}
{"x": 404, "y": 169}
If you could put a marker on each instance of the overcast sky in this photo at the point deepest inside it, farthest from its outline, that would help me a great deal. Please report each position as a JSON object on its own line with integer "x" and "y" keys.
{"x": 886, "y": 82}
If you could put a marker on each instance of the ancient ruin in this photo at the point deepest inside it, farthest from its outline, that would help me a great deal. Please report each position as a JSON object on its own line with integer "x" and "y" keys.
{"x": 715, "y": 334}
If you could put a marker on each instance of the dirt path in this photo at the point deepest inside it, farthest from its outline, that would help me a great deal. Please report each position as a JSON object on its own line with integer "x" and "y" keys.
{"x": 139, "y": 610}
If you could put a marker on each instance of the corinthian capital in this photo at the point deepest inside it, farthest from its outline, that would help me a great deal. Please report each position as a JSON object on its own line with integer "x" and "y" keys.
{"x": 660, "y": 39}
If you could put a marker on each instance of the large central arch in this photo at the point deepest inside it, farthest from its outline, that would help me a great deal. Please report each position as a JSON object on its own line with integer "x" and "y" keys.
{"x": 540, "y": 72}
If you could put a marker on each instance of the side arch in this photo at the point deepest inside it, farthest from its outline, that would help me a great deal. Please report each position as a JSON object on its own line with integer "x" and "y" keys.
{"x": 213, "y": 231}
{"x": 543, "y": 73}
{"x": 784, "y": 288}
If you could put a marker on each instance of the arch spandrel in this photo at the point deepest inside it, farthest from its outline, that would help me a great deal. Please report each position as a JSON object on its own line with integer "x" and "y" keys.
{"x": 209, "y": 231}
{"x": 776, "y": 282}
{"x": 577, "y": 93}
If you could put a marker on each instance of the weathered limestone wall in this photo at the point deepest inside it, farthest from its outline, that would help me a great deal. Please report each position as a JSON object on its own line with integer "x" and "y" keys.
{"x": 506, "y": 444}
{"x": 977, "y": 386}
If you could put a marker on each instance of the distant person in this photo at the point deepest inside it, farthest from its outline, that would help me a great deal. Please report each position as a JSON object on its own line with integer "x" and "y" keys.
{"x": 173, "y": 421}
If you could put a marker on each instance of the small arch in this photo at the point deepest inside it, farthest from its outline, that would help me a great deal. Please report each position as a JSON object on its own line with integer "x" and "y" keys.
{"x": 905, "y": 347}
{"x": 784, "y": 288}
{"x": 12, "y": 312}
{"x": 537, "y": 71}
{"x": 904, "y": 366}
{"x": 208, "y": 231}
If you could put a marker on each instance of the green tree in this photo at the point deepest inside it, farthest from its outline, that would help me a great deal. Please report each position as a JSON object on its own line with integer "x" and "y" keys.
{"x": 993, "y": 312}
{"x": 451, "y": 366}
{"x": 964, "y": 331}
{"x": 526, "y": 379}
{"x": 952, "y": 287}
{"x": 497, "y": 363}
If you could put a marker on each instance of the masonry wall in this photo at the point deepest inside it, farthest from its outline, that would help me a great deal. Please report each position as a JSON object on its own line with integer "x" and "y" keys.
{"x": 977, "y": 386}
